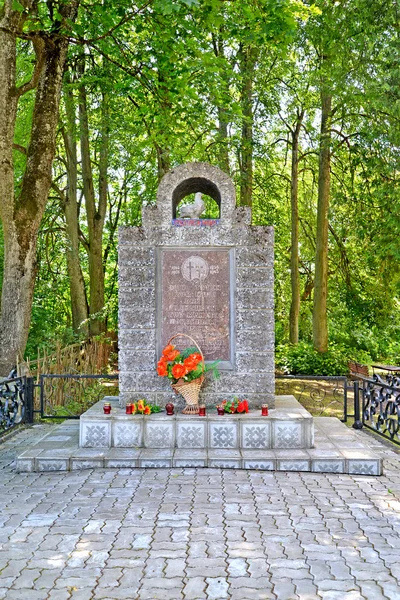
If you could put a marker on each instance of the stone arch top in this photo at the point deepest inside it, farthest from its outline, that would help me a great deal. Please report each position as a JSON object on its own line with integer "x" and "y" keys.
{"x": 191, "y": 178}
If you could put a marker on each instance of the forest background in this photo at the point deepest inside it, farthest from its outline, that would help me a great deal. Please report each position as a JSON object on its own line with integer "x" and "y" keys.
{"x": 299, "y": 102}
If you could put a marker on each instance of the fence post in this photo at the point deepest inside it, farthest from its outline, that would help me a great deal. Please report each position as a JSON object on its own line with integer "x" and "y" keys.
{"x": 357, "y": 421}
{"x": 29, "y": 398}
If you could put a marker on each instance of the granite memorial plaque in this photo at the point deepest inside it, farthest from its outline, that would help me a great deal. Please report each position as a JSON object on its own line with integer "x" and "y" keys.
{"x": 196, "y": 298}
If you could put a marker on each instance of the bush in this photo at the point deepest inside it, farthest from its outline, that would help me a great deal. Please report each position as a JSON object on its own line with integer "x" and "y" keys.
{"x": 303, "y": 359}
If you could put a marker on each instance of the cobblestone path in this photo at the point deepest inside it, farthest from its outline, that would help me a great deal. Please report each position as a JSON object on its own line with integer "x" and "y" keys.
{"x": 197, "y": 533}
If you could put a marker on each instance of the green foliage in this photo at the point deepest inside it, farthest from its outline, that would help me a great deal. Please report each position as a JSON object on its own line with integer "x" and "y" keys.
{"x": 169, "y": 69}
{"x": 303, "y": 359}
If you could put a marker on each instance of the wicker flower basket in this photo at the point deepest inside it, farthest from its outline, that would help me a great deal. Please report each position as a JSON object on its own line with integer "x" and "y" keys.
{"x": 189, "y": 389}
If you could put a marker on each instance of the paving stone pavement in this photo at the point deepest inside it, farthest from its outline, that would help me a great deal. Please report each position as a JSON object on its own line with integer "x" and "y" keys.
{"x": 137, "y": 534}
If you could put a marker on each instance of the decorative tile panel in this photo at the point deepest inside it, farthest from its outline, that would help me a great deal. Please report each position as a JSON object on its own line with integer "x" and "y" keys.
{"x": 223, "y": 436}
{"x": 155, "y": 464}
{"x": 25, "y": 465}
{"x": 95, "y": 434}
{"x": 256, "y": 435}
{"x": 364, "y": 467}
{"x": 77, "y": 464}
{"x": 293, "y": 465}
{"x": 224, "y": 464}
{"x": 190, "y": 462}
{"x": 287, "y": 435}
{"x": 52, "y": 465}
{"x": 120, "y": 463}
{"x": 262, "y": 465}
{"x": 190, "y": 435}
{"x": 127, "y": 435}
{"x": 328, "y": 466}
{"x": 159, "y": 435}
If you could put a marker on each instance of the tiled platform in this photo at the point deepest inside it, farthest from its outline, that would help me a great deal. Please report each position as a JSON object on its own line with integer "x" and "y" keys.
{"x": 289, "y": 425}
{"x": 337, "y": 449}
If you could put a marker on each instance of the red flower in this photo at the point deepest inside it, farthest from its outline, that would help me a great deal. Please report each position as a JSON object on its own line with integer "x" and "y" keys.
{"x": 147, "y": 410}
{"x": 233, "y": 408}
{"x": 179, "y": 371}
{"x": 162, "y": 368}
{"x": 241, "y": 407}
{"x": 246, "y": 406}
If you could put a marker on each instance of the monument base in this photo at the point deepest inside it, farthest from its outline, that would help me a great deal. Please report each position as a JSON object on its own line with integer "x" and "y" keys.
{"x": 337, "y": 449}
{"x": 289, "y": 425}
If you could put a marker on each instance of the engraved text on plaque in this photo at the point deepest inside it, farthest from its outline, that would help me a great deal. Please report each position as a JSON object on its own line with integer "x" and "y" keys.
{"x": 196, "y": 299}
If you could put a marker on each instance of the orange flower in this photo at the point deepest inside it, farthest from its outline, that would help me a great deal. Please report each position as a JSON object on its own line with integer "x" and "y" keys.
{"x": 171, "y": 355}
{"x": 134, "y": 408}
{"x": 147, "y": 410}
{"x": 196, "y": 356}
{"x": 162, "y": 368}
{"x": 168, "y": 349}
{"x": 140, "y": 405}
{"x": 189, "y": 363}
{"x": 179, "y": 371}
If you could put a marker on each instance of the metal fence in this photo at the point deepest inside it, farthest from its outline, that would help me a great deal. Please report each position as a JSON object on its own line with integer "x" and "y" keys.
{"x": 380, "y": 401}
{"x": 15, "y": 404}
{"x": 322, "y": 396}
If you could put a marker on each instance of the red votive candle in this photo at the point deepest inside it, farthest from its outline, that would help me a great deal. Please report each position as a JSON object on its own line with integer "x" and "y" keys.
{"x": 202, "y": 410}
{"x": 264, "y": 410}
{"x": 128, "y": 409}
{"x": 220, "y": 410}
{"x": 169, "y": 408}
{"x": 107, "y": 408}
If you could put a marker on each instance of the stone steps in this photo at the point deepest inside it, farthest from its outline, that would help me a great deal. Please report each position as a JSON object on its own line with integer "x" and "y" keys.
{"x": 337, "y": 449}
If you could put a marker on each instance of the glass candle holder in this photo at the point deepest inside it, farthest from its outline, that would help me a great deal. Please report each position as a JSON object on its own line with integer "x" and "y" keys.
{"x": 220, "y": 410}
{"x": 169, "y": 408}
{"x": 264, "y": 410}
{"x": 107, "y": 408}
{"x": 128, "y": 409}
{"x": 202, "y": 410}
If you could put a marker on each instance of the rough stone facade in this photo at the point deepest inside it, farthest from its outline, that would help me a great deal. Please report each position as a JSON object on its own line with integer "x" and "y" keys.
{"x": 252, "y": 375}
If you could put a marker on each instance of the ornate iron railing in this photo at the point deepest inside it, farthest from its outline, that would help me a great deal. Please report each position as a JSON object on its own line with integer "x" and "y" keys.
{"x": 13, "y": 402}
{"x": 381, "y": 406}
{"x": 320, "y": 395}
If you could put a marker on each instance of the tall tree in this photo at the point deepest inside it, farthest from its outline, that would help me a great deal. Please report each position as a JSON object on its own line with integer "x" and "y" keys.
{"x": 320, "y": 315}
{"x": 79, "y": 304}
{"x": 22, "y": 205}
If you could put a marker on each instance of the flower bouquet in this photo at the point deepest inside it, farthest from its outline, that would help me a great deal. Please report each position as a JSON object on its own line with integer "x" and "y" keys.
{"x": 235, "y": 406}
{"x": 143, "y": 408}
{"x": 186, "y": 370}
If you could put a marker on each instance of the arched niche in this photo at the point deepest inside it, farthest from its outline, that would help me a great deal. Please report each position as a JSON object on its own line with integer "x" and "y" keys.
{"x": 192, "y": 186}
{"x": 190, "y": 178}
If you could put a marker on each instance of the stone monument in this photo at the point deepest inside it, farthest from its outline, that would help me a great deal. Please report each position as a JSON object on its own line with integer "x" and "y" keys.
{"x": 209, "y": 278}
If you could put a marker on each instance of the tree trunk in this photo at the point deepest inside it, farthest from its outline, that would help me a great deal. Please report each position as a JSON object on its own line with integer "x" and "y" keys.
{"x": 294, "y": 251}
{"x": 223, "y": 146}
{"x": 95, "y": 214}
{"x": 21, "y": 215}
{"x": 163, "y": 161}
{"x": 320, "y": 317}
{"x": 248, "y": 58}
{"x": 79, "y": 307}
